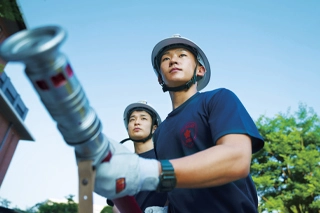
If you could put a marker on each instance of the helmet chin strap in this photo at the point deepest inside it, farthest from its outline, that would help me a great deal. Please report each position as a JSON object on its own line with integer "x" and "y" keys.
{"x": 187, "y": 85}
{"x": 140, "y": 140}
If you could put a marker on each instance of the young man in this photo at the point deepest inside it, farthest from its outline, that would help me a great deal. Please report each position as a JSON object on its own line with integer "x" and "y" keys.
{"x": 204, "y": 145}
{"x": 141, "y": 120}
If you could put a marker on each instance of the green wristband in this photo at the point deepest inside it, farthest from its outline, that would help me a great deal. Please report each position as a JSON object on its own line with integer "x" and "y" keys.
{"x": 167, "y": 178}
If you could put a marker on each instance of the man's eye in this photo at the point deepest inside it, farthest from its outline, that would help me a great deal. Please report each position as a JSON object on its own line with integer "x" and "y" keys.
{"x": 164, "y": 59}
{"x": 182, "y": 55}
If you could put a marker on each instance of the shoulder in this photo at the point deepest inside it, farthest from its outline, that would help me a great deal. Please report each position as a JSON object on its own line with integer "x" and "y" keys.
{"x": 220, "y": 96}
{"x": 218, "y": 92}
{"x": 148, "y": 154}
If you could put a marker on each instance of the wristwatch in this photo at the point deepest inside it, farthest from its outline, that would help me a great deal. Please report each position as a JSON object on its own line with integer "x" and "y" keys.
{"x": 167, "y": 178}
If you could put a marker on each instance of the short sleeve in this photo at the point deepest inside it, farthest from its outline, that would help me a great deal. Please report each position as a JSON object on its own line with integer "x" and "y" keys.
{"x": 227, "y": 115}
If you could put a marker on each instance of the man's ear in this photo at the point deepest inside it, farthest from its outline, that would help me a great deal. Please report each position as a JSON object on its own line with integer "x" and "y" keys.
{"x": 160, "y": 79}
{"x": 154, "y": 128}
{"x": 201, "y": 71}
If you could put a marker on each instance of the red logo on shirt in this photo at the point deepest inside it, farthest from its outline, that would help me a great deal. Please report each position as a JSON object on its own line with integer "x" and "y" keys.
{"x": 188, "y": 134}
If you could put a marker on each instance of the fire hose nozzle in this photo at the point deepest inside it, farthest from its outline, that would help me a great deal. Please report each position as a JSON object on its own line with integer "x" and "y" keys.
{"x": 33, "y": 46}
{"x": 58, "y": 88}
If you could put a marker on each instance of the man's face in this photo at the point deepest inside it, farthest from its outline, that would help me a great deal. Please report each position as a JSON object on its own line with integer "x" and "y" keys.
{"x": 139, "y": 125}
{"x": 177, "y": 66}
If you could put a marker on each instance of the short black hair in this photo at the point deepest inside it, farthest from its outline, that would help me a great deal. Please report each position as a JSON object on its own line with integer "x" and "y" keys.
{"x": 172, "y": 46}
{"x": 139, "y": 109}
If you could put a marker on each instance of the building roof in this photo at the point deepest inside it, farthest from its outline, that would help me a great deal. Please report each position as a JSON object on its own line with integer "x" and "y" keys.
{"x": 12, "y": 107}
{"x": 12, "y": 17}
{"x": 8, "y": 111}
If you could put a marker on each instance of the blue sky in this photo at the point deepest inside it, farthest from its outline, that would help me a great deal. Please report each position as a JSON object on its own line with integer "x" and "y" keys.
{"x": 267, "y": 52}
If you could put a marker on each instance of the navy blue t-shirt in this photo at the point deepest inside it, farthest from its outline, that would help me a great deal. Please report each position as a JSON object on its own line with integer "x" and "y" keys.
{"x": 195, "y": 126}
{"x": 150, "y": 198}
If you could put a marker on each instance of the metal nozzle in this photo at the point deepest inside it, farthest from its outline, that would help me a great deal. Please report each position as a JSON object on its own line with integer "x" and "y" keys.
{"x": 58, "y": 88}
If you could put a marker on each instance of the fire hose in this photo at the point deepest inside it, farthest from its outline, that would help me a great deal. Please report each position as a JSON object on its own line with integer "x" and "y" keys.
{"x": 54, "y": 80}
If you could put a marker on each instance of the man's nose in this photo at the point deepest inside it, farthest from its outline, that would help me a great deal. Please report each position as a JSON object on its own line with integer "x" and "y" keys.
{"x": 173, "y": 60}
{"x": 137, "y": 121}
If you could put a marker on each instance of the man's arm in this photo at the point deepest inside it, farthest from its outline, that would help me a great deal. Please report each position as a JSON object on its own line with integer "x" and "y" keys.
{"x": 126, "y": 173}
{"x": 228, "y": 161}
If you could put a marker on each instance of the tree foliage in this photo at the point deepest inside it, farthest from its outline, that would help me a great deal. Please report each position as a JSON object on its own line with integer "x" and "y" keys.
{"x": 4, "y": 202}
{"x": 49, "y": 206}
{"x": 106, "y": 209}
{"x": 52, "y": 207}
{"x": 9, "y": 10}
{"x": 287, "y": 171}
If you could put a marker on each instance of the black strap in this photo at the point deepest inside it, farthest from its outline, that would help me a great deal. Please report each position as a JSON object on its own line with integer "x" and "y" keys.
{"x": 187, "y": 85}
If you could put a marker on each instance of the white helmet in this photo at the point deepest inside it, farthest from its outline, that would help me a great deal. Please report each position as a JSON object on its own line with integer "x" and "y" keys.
{"x": 177, "y": 39}
{"x": 144, "y": 106}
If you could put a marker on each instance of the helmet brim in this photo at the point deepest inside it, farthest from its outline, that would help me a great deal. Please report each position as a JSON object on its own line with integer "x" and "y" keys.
{"x": 139, "y": 105}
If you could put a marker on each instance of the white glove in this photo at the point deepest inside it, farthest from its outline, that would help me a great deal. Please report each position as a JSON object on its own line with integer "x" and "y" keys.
{"x": 125, "y": 174}
{"x": 156, "y": 209}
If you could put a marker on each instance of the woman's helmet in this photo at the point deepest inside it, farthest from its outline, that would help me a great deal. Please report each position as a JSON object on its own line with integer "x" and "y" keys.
{"x": 141, "y": 105}
{"x": 177, "y": 40}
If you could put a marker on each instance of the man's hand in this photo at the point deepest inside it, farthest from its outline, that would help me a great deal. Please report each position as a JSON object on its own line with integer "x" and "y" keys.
{"x": 125, "y": 174}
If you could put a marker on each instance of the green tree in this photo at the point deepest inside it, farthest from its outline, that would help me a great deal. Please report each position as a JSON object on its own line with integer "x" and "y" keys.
{"x": 10, "y": 10}
{"x": 50, "y": 207}
{"x": 106, "y": 209}
{"x": 4, "y": 202}
{"x": 287, "y": 171}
